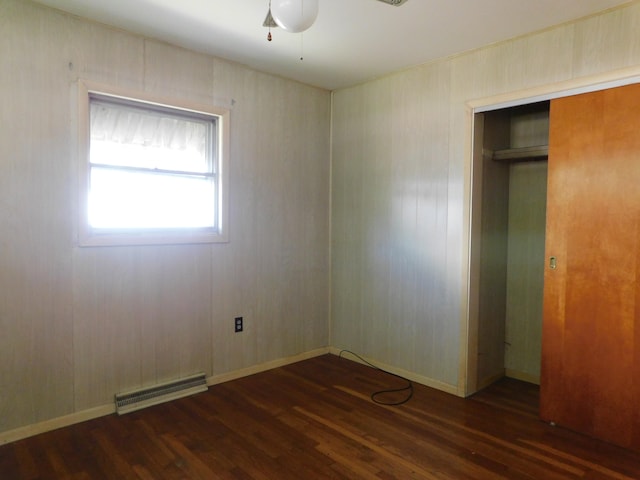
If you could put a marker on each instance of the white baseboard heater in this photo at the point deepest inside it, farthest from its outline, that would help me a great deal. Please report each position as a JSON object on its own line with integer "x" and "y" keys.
{"x": 164, "y": 392}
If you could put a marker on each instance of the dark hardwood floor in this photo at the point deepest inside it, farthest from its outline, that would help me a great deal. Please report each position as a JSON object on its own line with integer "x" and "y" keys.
{"x": 315, "y": 420}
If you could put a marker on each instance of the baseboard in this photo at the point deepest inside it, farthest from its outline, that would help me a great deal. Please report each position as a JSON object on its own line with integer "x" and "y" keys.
{"x": 263, "y": 367}
{"x": 525, "y": 377}
{"x": 422, "y": 380}
{"x": 55, "y": 423}
{"x": 101, "y": 411}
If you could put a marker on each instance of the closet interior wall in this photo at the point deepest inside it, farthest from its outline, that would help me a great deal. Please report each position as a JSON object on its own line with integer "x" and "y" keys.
{"x": 513, "y": 202}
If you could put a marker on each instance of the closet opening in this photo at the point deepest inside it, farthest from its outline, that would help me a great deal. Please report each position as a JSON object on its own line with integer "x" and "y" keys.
{"x": 508, "y": 241}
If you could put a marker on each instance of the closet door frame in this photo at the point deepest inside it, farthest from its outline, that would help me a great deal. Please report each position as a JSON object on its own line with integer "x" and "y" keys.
{"x": 469, "y": 331}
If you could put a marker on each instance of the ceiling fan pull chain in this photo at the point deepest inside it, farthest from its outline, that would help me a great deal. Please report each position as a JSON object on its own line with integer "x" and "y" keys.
{"x": 269, "y": 15}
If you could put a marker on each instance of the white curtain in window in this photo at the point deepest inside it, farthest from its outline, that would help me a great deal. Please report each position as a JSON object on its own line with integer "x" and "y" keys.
{"x": 134, "y": 126}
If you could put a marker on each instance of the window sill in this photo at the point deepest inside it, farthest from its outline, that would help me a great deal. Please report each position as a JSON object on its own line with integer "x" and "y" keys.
{"x": 114, "y": 238}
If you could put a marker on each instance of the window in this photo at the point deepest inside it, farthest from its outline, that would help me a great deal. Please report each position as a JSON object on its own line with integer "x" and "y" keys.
{"x": 152, "y": 173}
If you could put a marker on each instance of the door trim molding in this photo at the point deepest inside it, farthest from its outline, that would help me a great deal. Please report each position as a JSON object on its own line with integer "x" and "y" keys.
{"x": 575, "y": 86}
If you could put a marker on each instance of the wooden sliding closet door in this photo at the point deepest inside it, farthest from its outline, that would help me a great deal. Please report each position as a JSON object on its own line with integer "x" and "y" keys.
{"x": 590, "y": 377}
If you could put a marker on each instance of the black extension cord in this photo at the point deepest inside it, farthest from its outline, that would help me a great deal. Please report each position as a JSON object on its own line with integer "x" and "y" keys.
{"x": 374, "y": 395}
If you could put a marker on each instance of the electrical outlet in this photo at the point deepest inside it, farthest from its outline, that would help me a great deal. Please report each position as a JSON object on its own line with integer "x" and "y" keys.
{"x": 238, "y": 324}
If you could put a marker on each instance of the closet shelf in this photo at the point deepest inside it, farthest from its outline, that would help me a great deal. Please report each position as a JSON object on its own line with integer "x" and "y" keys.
{"x": 539, "y": 152}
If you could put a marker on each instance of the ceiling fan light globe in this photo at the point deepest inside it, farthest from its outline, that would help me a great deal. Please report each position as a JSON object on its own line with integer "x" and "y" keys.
{"x": 294, "y": 15}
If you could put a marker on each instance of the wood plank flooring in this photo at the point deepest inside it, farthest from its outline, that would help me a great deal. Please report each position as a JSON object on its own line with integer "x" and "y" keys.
{"x": 315, "y": 420}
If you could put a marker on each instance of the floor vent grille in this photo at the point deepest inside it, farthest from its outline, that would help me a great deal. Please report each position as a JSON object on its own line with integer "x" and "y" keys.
{"x": 135, "y": 400}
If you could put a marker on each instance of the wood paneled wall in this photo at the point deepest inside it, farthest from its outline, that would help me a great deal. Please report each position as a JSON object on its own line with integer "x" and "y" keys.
{"x": 80, "y": 324}
{"x": 391, "y": 287}
{"x": 400, "y": 180}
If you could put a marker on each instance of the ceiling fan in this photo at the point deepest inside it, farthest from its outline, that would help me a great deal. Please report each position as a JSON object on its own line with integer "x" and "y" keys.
{"x": 296, "y": 16}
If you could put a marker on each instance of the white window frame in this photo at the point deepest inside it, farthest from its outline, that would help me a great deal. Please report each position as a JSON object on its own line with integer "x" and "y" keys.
{"x": 89, "y": 236}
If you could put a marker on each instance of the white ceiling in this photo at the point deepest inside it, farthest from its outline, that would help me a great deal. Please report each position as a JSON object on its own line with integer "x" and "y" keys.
{"x": 351, "y": 41}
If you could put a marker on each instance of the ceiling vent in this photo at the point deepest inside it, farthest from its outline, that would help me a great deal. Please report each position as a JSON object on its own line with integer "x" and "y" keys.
{"x": 395, "y": 3}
